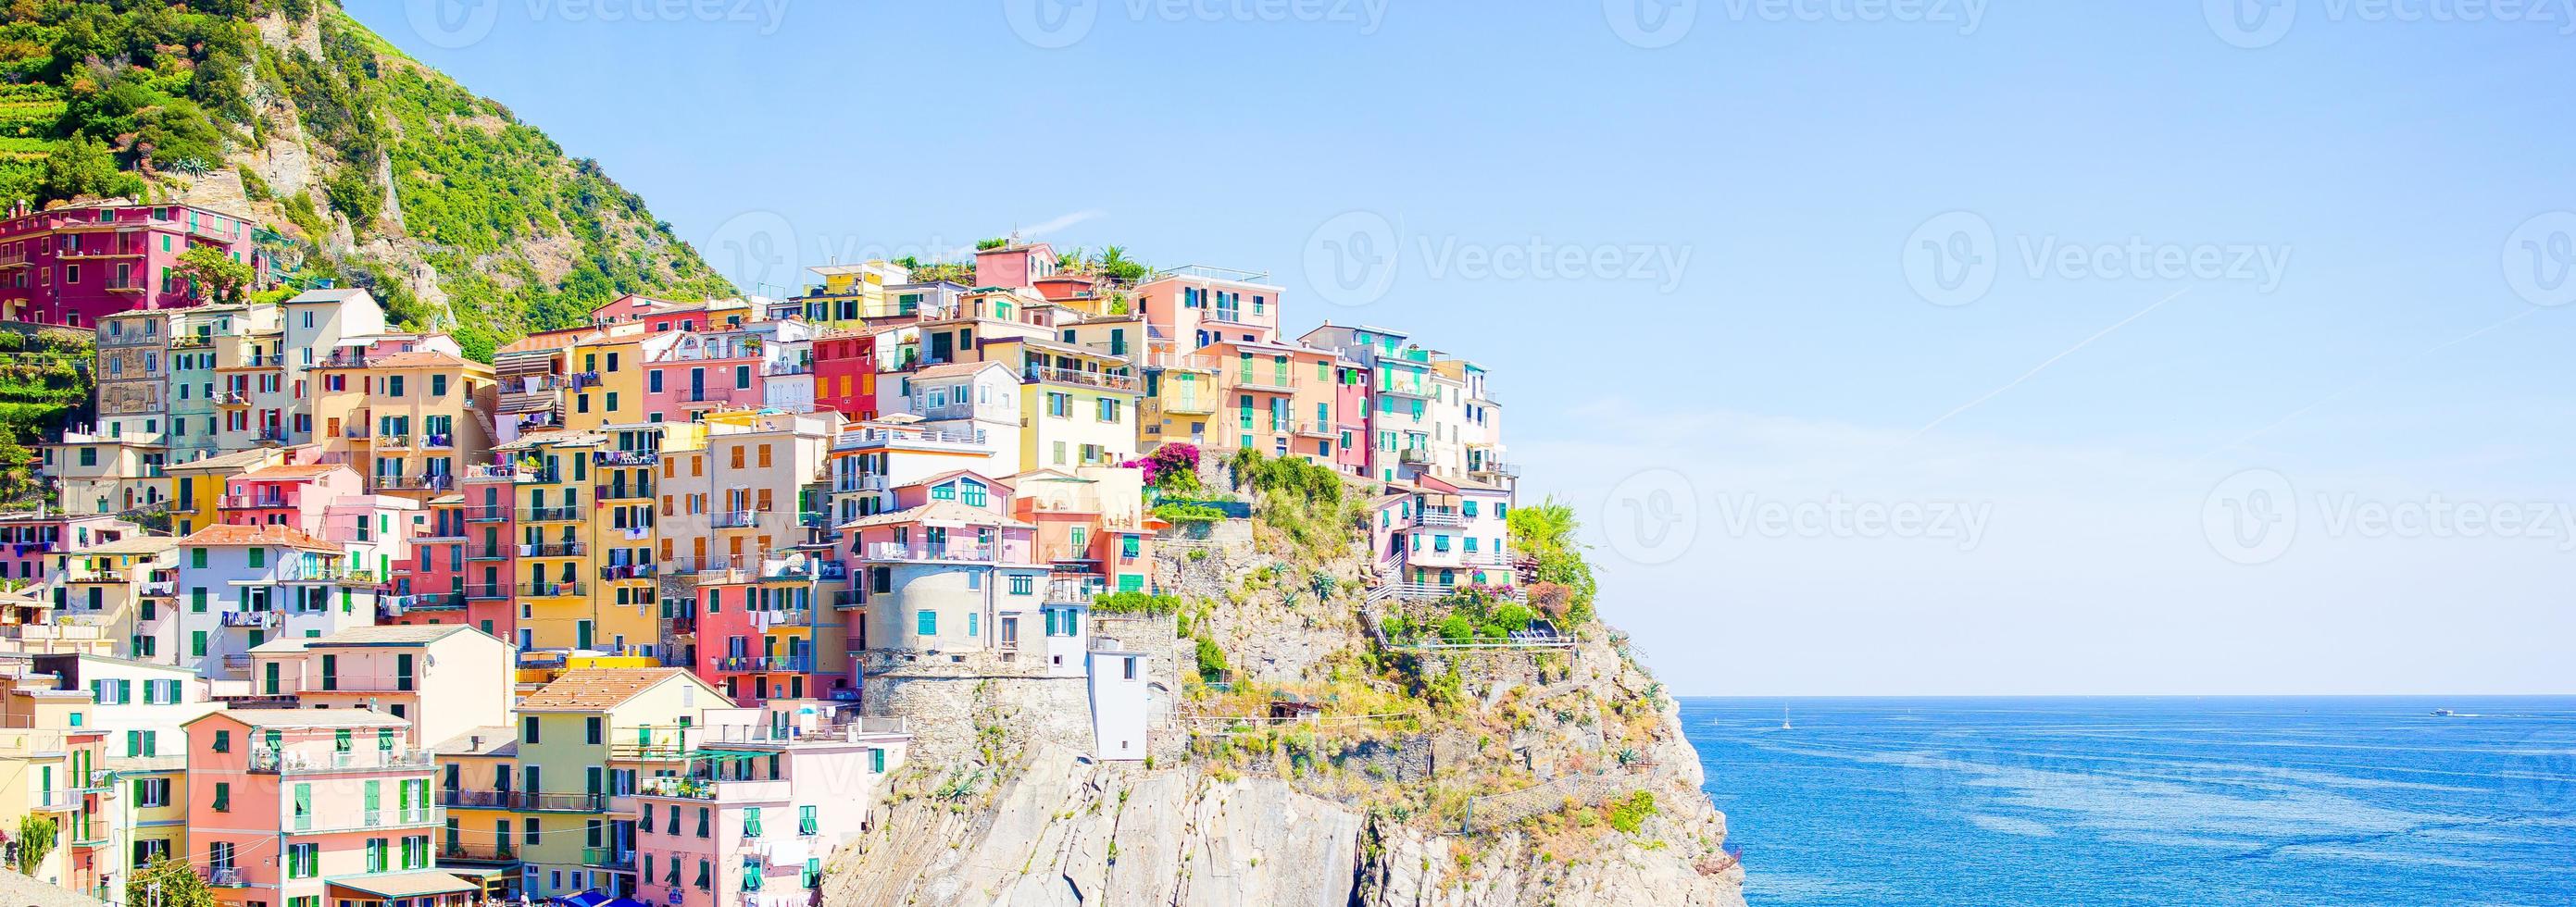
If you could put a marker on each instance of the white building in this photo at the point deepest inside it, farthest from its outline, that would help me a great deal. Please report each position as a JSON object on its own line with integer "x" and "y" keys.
{"x": 241, "y": 586}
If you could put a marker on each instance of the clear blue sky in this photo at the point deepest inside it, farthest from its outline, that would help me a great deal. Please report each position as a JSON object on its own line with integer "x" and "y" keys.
{"x": 2354, "y": 283}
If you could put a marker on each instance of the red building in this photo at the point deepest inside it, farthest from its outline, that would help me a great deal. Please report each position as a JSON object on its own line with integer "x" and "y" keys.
{"x": 432, "y": 591}
{"x": 845, "y": 374}
{"x": 74, "y": 264}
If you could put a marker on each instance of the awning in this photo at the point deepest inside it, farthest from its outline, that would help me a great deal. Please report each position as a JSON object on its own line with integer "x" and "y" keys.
{"x": 407, "y": 884}
{"x": 588, "y": 898}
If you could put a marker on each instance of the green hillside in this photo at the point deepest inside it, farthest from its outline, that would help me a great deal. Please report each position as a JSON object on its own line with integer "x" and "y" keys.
{"x": 293, "y": 111}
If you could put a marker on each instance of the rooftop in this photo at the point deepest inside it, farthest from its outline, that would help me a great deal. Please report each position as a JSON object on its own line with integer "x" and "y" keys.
{"x": 596, "y": 689}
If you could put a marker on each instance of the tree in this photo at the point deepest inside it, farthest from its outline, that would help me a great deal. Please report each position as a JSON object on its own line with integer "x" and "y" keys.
{"x": 1545, "y": 532}
{"x": 168, "y": 882}
{"x": 35, "y": 842}
{"x": 215, "y": 272}
{"x": 82, "y": 166}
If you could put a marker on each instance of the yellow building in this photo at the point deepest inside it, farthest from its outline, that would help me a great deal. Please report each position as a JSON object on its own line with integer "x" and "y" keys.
{"x": 1078, "y": 402}
{"x": 197, "y": 487}
{"x": 848, "y": 295}
{"x": 607, "y": 381}
{"x": 407, "y": 421}
{"x": 123, "y": 591}
{"x": 554, "y": 576}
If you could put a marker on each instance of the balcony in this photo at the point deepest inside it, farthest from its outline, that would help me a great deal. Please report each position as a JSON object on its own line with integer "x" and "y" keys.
{"x": 487, "y": 514}
{"x": 1261, "y": 384}
{"x": 94, "y": 576}
{"x": 552, "y": 590}
{"x": 852, "y": 484}
{"x": 480, "y": 553}
{"x": 609, "y": 858}
{"x": 487, "y": 592}
{"x": 258, "y": 501}
{"x": 712, "y": 789}
{"x": 557, "y": 549}
{"x": 415, "y": 483}
{"x": 763, "y": 664}
{"x": 1189, "y": 404}
{"x": 1437, "y": 517}
{"x": 226, "y": 877}
{"x": 393, "y": 440}
{"x": 1103, "y": 380}
{"x": 849, "y": 598}
{"x": 522, "y": 800}
{"x": 620, "y": 492}
{"x": 623, "y": 572}
{"x": 232, "y": 398}
{"x": 374, "y": 819}
{"x": 438, "y": 442}
{"x": 478, "y": 853}
{"x": 270, "y": 435}
{"x": 1313, "y": 429}
{"x": 347, "y": 360}
{"x": 291, "y": 762}
{"x": 807, "y": 569}
{"x": 625, "y": 457}
{"x": 551, "y": 515}
{"x": 1414, "y": 456}
{"x": 249, "y": 619}
{"x": 733, "y": 519}
{"x": 897, "y": 551}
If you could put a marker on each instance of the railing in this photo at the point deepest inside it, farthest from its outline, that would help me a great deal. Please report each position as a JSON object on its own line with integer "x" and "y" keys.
{"x": 1105, "y": 380}
{"x": 608, "y": 858}
{"x": 347, "y": 360}
{"x": 552, "y": 590}
{"x": 494, "y": 853}
{"x": 558, "y": 549}
{"x": 550, "y": 515}
{"x": 849, "y": 598}
{"x": 713, "y": 789}
{"x": 394, "y": 439}
{"x": 856, "y": 438}
{"x": 250, "y": 618}
{"x": 225, "y": 877}
{"x": 797, "y": 617}
{"x": 246, "y": 501}
{"x": 94, "y": 576}
{"x": 487, "y": 591}
{"x": 1413, "y": 455}
{"x": 269, "y": 761}
{"x": 625, "y": 457}
{"x": 732, "y": 519}
{"x": 760, "y": 663}
{"x": 519, "y": 799}
{"x": 232, "y": 398}
{"x": 897, "y": 551}
{"x": 486, "y": 514}
{"x": 437, "y": 442}
{"x": 480, "y": 553}
{"x": 805, "y": 569}
{"x": 1430, "y": 517}
{"x": 621, "y": 492}
{"x": 416, "y": 483}
{"x": 1312, "y": 428}
{"x": 614, "y": 572}
{"x": 1069, "y": 591}
{"x": 1189, "y": 403}
{"x": 270, "y": 435}
{"x": 846, "y": 484}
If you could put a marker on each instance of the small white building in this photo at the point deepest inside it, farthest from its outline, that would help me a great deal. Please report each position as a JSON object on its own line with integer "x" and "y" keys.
{"x": 241, "y": 586}
{"x": 1121, "y": 700}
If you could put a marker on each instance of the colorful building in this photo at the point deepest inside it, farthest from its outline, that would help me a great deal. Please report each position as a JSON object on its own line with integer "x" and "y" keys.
{"x": 77, "y": 263}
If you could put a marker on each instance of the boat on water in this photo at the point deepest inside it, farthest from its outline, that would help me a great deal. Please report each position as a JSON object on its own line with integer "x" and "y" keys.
{"x": 2445, "y": 713}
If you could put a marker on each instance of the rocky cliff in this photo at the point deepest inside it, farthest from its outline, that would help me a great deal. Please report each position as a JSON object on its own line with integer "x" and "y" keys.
{"x": 1505, "y": 776}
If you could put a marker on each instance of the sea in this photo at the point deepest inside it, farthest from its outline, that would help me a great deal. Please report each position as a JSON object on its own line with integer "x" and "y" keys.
{"x": 2211, "y": 802}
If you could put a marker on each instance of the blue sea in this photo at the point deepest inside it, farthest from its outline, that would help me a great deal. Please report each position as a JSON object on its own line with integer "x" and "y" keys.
{"x": 2365, "y": 802}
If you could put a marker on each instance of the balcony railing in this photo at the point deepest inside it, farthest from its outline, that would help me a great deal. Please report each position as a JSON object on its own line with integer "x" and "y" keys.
{"x": 523, "y": 800}
{"x": 615, "y": 572}
{"x": 625, "y": 457}
{"x": 478, "y": 853}
{"x": 248, "y": 501}
{"x": 712, "y": 789}
{"x": 622, "y": 492}
{"x": 897, "y": 551}
{"x": 550, "y": 515}
{"x": 487, "y": 514}
{"x": 1104, "y": 380}
{"x": 487, "y": 591}
{"x": 766, "y": 663}
{"x": 292, "y": 762}
{"x": 733, "y": 519}
{"x": 415, "y": 483}
{"x": 551, "y": 590}
{"x": 555, "y": 549}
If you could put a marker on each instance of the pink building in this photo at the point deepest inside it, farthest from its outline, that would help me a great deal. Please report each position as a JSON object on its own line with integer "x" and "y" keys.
{"x": 75, "y": 264}
{"x": 1014, "y": 265}
{"x": 1350, "y": 418}
{"x": 307, "y": 807}
{"x": 26, "y": 539}
{"x": 699, "y": 372}
{"x": 760, "y": 810}
{"x": 297, "y": 495}
{"x": 1197, "y": 306}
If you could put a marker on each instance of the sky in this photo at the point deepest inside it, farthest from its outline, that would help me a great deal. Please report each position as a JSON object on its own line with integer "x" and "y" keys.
{"x": 1884, "y": 347}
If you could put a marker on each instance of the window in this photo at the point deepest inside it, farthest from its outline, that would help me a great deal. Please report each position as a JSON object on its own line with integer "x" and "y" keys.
{"x": 528, "y": 729}
{"x": 303, "y": 861}
{"x": 223, "y": 802}
{"x": 592, "y": 730}
{"x": 926, "y": 623}
{"x": 751, "y": 822}
{"x": 1023, "y": 585}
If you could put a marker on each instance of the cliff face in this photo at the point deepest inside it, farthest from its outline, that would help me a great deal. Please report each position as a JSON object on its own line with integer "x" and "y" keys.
{"x": 1521, "y": 786}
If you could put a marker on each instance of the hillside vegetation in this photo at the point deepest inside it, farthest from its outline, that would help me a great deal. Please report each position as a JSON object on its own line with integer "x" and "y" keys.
{"x": 368, "y": 167}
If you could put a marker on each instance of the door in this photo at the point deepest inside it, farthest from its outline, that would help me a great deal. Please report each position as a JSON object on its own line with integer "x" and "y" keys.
{"x": 1010, "y": 632}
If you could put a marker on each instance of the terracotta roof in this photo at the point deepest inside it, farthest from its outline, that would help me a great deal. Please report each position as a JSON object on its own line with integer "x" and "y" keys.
{"x": 953, "y": 369}
{"x": 596, "y": 689}
{"x": 21, "y": 890}
{"x": 419, "y": 359}
{"x": 489, "y": 740}
{"x": 949, "y": 512}
{"x": 227, "y": 534}
{"x": 550, "y": 340}
{"x": 142, "y": 544}
{"x": 290, "y": 471}
{"x": 307, "y": 718}
{"x": 953, "y": 473}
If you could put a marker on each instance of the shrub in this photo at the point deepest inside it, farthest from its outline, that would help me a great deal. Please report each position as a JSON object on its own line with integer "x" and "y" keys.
{"x": 1630, "y": 814}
